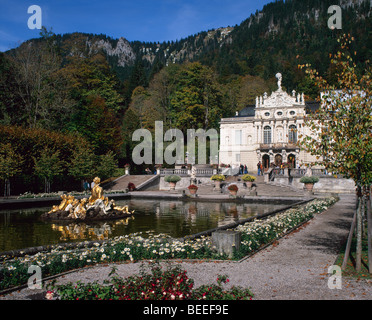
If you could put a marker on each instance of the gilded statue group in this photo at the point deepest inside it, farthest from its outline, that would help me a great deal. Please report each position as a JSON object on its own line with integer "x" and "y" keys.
{"x": 77, "y": 209}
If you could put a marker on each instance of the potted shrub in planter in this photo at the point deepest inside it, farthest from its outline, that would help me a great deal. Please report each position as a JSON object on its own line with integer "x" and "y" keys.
{"x": 217, "y": 178}
{"x": 192, "y": 188}
{"x": 309, "y": 182}
{"x": 233, "y": 188}
{"x": 172, "y": 180}
{"x": 131, "y": 186}
{"x": 248, "y": 179}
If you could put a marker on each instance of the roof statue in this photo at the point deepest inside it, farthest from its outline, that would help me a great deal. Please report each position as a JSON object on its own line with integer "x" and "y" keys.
{"x": 279, "y": 77}
{"x": 279, "y": 98}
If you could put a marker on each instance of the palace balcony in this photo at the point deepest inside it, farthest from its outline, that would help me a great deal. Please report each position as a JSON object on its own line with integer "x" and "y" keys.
{"x": 278, "y": 146}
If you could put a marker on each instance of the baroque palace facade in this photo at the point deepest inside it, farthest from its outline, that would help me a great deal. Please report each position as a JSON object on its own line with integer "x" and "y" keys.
{"x": 267, "y": 132}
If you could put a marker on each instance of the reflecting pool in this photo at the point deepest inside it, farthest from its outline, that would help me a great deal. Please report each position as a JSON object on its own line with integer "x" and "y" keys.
{"x": 24, "y": 228}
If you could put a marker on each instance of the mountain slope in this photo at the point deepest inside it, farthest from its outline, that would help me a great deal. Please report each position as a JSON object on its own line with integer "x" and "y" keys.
{"x": 276, "y": 38}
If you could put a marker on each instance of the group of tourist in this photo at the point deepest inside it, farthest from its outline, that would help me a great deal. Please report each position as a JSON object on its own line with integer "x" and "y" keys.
{"x": 88, "y": 186}
{"x": 260, "y": 169}
{"x": 243, "y": 169}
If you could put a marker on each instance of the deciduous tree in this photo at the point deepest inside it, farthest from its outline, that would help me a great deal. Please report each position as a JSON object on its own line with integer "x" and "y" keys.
{"x": 10, "y": 165}
{"x": 342, "y": 128}
{"x": 48, "y": 165}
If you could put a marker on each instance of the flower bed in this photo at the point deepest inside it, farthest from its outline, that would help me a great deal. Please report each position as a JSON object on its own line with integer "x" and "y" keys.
{"x": 257, "y": 233}
{"x": 140, "y": 246}
{"x": 192, "y": 187}
{"x": 233, "y": 187}
{"x": 170, "y": 284}
{"x": 29, "y": 195}
{"x": 248, "y": 177}
{"x": 218, "y": 177}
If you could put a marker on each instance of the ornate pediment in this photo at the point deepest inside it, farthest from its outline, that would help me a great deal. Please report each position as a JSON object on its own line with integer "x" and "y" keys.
{"x": 279, "y": 98}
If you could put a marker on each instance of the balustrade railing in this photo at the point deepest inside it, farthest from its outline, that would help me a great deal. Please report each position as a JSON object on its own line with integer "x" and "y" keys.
{"x": 295, "y": 172}
{"x": 319, "y": 172}
{"x": 204, "y": 172}
{"x": 207, "y": 172}
{"x": 179, "y": 172}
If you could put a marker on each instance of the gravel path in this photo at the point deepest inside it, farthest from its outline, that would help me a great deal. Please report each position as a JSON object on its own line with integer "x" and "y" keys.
{"x": 295, "y": 268}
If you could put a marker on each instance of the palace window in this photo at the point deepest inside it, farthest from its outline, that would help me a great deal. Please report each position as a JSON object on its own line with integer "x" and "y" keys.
{"x": 267, "y": 135}
{"x": 292, "y": 134}
{"x": 238, "y": 137}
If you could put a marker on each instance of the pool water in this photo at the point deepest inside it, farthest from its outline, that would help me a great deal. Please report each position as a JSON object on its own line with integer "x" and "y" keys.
{"x": 23, "y": 228}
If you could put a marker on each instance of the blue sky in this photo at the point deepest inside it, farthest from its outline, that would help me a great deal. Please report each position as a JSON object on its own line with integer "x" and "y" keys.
{"x": 144, "y": 20}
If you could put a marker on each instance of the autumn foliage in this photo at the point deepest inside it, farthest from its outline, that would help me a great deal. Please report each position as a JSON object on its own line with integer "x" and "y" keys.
{"x": 342, "y": 130}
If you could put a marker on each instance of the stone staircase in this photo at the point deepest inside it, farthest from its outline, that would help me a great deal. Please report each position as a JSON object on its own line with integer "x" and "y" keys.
{"x": 266, "y": 189}
{"x": 148, "y": 183}
{"x": 140, "y": 181}
{"x": 262, "y": 188}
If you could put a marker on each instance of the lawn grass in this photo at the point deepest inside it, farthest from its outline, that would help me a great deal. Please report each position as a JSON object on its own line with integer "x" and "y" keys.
{"x": 350, "y": 270}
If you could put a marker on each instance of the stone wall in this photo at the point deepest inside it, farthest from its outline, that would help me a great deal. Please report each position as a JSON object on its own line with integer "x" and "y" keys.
{"x": 184, "y": 182}
{"x": 325, "y": 184}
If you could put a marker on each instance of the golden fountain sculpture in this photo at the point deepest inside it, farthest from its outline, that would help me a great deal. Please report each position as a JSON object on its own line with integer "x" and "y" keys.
{"x": 96, "y": 207}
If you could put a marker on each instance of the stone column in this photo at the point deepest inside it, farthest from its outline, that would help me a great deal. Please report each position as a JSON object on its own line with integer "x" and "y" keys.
{"x": 225, "y": 241}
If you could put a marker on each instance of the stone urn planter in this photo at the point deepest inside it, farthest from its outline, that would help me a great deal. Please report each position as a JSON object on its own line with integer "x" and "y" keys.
{"x": 172, "y": 185}
{"x": 217, "y": 178}
{"x": 309, "y": 182}
{"x": 249, "y": 184}
{"x": 172, "y": 180}
{"x": 233, "y": 188}
{"x": 248, "y": 179}
{"x": 193, "y": 189}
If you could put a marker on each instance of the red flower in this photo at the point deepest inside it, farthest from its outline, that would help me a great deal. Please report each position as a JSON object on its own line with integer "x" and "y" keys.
{"x": 192, "y": 186}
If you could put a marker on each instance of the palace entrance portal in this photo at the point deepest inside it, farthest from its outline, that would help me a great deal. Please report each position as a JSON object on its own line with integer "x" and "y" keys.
{"x": 278, "y": 160}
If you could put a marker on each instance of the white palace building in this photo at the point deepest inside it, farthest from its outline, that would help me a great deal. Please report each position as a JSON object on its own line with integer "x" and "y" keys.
{"x": 267, "y": 132}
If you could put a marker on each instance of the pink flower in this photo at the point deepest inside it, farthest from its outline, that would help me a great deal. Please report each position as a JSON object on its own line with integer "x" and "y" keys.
{"x": 49, "y": 295}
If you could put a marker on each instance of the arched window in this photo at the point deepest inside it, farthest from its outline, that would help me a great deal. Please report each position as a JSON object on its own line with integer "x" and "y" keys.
{"x": 267, "y": 135}
{"x": 292, "y": 134}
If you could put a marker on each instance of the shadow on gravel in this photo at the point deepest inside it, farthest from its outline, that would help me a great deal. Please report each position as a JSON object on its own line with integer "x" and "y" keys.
{"x": 332, "y": 235}
{"x": 37, "y": 296}
{"x": 327, "y": 243}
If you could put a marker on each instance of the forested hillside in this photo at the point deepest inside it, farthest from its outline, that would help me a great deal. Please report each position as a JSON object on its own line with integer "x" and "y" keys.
{"x": 99, "y": 89}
